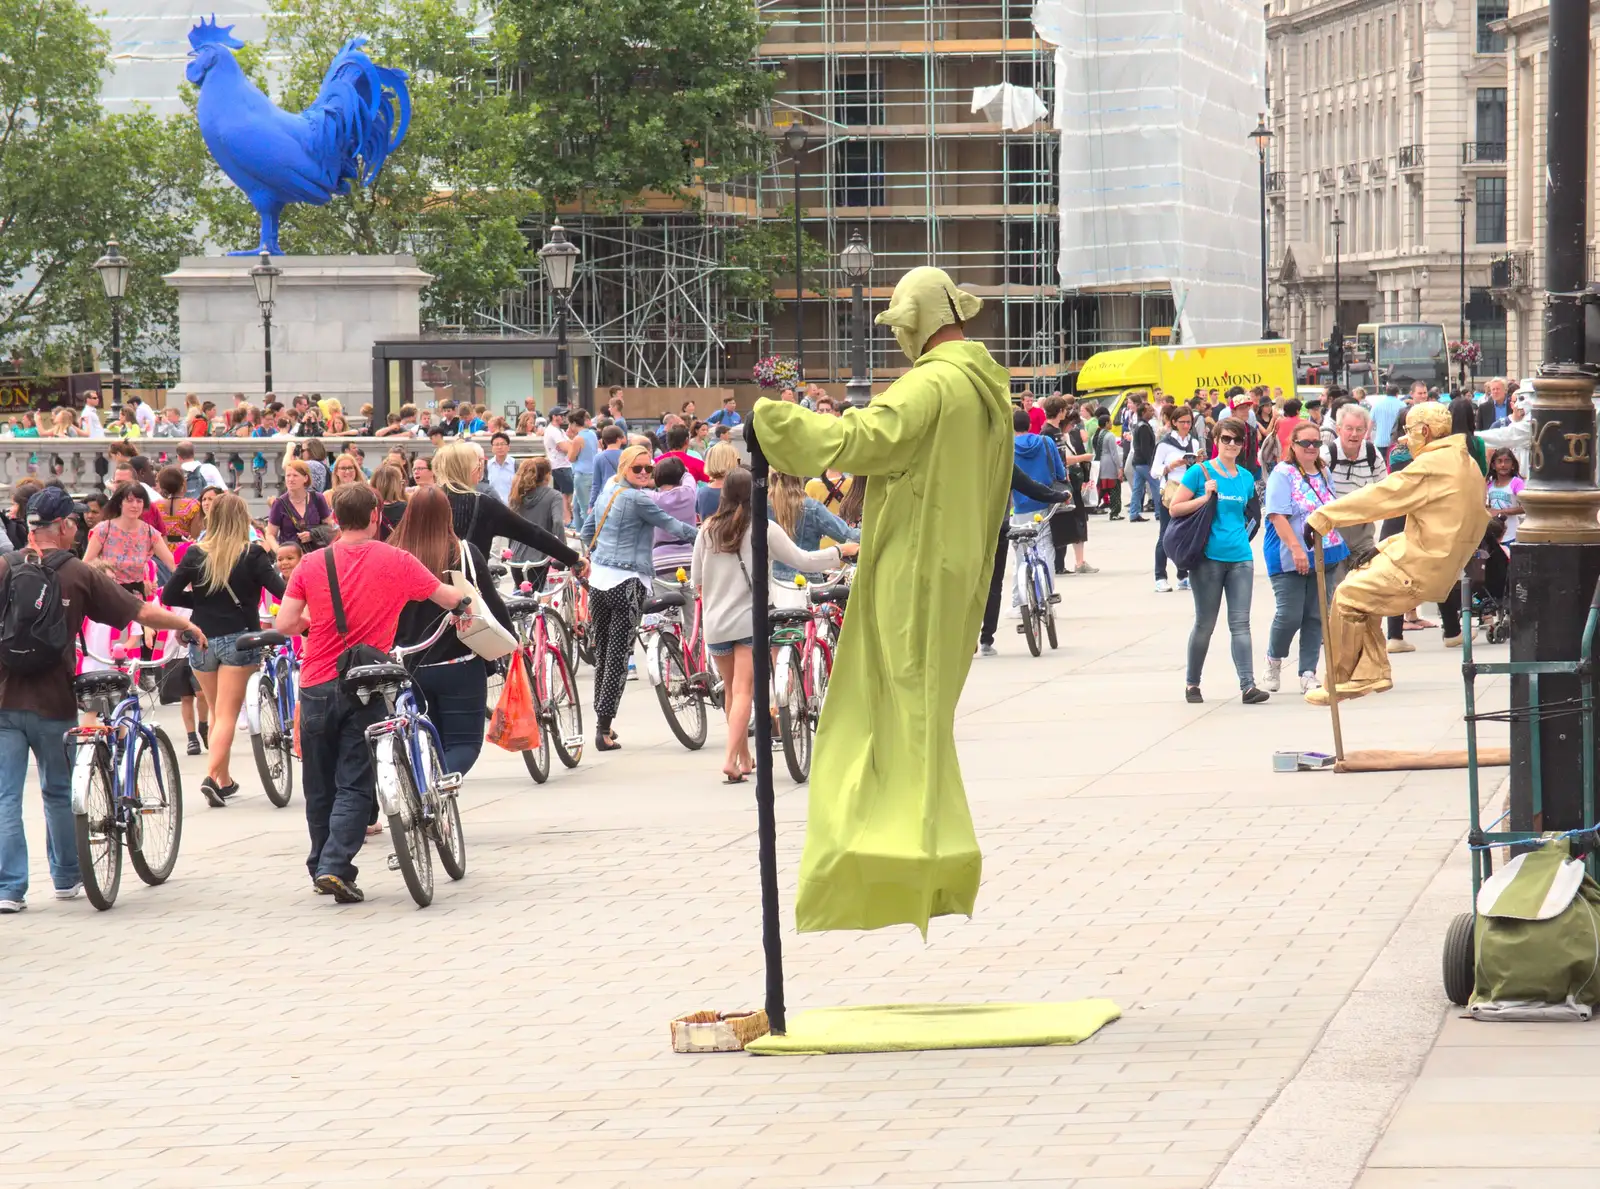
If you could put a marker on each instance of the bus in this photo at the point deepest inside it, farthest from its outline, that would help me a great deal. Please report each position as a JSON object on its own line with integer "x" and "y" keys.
{"x": 1404, "y": 352}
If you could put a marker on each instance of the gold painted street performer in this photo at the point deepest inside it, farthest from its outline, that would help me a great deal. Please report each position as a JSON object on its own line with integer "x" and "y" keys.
{"x": 889, "y": 838}
{"x": 1440, "y": 493}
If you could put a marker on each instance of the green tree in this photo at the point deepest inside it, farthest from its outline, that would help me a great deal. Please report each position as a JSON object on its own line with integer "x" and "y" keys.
{"x": 760, "y": 258}
{"x": 70, "y": 179}
{"x": 450, "y": 194}
{"x": 637, "y": 95}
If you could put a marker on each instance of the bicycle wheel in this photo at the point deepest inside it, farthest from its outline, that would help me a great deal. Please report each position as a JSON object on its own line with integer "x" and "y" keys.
{"x": 497, "y": 682}
{"x": 448, "y": 838}
{"x": 685, "y": 709}
{"x": 820, "y": 672}
{"x": 410, "y": 838}
{"x": 563, "y": 710}
{"x": 580, "y": 629}
{"x": 158, "y": 822}
{"x": 537, "y": 759}
{"x": 794, "y": 722}
{"x": 1047, "y": 609}
{"x": 273, "y": 749}
{"x": 560, "y": 638}
{"x": 99, "y": 849}
{"x": 1030, "y": 620}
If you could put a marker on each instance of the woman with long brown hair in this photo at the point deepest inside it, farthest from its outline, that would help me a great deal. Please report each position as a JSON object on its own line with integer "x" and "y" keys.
{"x": 390, "y": 484}
{"x": 449, "y": 676}
{"x": 536, "y": 501}
{"x": 721, "y": 573}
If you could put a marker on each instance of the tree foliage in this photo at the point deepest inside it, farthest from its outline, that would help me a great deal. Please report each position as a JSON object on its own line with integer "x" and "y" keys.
{"x": 761, "y": 259}
{"x": 637, "y": 95}
{"x": 71, "y": 178}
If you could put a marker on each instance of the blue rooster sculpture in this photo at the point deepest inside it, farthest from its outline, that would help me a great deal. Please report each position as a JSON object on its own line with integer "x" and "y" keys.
{"x": 358, "y": 118}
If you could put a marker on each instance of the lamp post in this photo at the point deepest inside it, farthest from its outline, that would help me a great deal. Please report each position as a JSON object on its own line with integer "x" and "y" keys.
{"x": 114, "y": 268}
{"x": 797, "y": 138}
{"x": 265, "y": 278}
{"x": 1337, "y": 336}
{"x": 1461, "y": 201}
{"x": 856, "y": 260}
{"x": 1263, "y": 138}
{"x": 560, "y": 260}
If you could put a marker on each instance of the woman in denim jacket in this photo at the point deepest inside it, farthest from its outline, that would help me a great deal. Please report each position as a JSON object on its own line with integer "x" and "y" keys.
{"x": 809, "y": 524}
{"x": 620, "y": 574}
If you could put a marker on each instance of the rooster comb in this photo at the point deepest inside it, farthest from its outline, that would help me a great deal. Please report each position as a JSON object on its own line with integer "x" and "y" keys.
{"x": 213, "y": 34}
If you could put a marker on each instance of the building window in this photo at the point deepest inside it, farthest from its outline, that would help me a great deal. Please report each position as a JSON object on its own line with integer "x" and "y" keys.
{"x": 1491, "y": 124}
{"x": 1491, "y": 207}
{"x": 1490, "y": 42}
{"x": 859, "y": 98}
{"x": 858, "y": 173}
{"x": 1383, "y": 49}
{"x": 1486, "y": 324}
{"x": 1031, "y": 175}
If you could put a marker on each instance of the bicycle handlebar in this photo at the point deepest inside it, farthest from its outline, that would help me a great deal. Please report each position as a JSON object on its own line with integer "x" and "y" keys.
{"x": 401, "y": 651}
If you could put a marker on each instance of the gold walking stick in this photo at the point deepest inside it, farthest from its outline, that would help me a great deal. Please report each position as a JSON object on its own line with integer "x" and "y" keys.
{"x": 1328, "y": 683}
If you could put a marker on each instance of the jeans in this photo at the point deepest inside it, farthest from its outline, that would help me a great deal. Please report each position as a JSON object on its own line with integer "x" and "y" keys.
{"x": 581, "y": 483}
{"x": 1164, "y": 518}
{"x": 1298, "y": 608}
{"x": 22, "y": 731}
{"x": 1142, "y": 489}
{"x": 341, "y": 788}
{"x": 1209, "y": 581}
{"x": 991, "y": 609}
{"x": 454, "y": 697}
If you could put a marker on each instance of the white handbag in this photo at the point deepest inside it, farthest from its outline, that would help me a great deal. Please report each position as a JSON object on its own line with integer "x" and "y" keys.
{"x": 485, "y": 635}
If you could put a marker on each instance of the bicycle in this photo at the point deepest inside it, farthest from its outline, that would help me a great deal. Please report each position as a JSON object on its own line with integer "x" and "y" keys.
{"x": 571, "y": 601}
{"x": 801, "y": 670}
{"x": 1037, "y": 587}
{"x": 675, "y": 662}
{"x": 270, "y": 699}
{"x": 126, "y": 788}
{"x": 414, "y": 791}
{"x": 540, "y": 637}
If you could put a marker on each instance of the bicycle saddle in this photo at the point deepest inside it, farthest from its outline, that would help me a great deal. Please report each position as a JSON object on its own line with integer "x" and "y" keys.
{"x": 377, "y": 676}
{"x": 109, "y": 681}
{"x": 522, "y": 605}
{"x": 837, "y": 593}
{"x": 662, "y": 602}
{"x": 783, "y": 615}
{"x": 1024, "y": 532}
{"x": 249, "y": 640}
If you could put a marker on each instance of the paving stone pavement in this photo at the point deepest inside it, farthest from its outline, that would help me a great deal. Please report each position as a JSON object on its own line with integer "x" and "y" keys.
{"x": 231, "y": 1028}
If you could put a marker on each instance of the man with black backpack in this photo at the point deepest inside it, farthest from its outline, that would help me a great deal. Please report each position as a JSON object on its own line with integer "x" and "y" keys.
{"x": 45, "y": 594}
{"x": 197, "y": 476}
{"x": 1355, "y": 462}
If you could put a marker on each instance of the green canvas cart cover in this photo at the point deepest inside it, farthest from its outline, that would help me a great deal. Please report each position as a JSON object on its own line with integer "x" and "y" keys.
{"x": 1538, "y": 935}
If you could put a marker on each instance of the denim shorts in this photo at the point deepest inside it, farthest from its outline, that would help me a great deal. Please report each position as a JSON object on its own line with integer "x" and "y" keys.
{"x": 561, "y": 480}
{"x": 727, "y": 646}
{"x": 219, "y": 650}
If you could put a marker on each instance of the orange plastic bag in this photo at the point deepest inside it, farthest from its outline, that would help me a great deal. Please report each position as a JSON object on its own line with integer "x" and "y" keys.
{"x": 515, "y": 725}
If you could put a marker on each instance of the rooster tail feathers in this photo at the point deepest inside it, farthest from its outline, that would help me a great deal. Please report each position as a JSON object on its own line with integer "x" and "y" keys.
{"x": 362, "y": 112}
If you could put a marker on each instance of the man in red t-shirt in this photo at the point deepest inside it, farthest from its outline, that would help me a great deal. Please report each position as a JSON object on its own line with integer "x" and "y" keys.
{"x": 376, "y": 581}
{"x": 1035, "y": 411}
{"x": 678, "y": 447}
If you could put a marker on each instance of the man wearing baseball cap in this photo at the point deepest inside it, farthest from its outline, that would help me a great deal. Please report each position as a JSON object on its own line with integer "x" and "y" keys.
{"x": 36, "y": 710}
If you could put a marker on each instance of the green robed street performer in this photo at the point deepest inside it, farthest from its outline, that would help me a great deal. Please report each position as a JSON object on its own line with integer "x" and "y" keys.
{"x": 889, "y": 837}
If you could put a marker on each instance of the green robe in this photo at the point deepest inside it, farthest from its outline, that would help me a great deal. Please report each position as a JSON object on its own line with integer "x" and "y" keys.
{"x": 889, "y": 838}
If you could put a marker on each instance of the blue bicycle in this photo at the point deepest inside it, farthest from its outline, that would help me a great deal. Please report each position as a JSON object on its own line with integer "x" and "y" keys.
{"x": 126, "y": 790}
{"x": 270, "y": 700}
{"x": 1036, "y": 587}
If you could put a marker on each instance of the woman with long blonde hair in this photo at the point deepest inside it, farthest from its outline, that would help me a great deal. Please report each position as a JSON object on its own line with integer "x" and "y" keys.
{"x": 478, "y": 518}
{"x": 221, "y": 578}
{"x": 804, "y": 521}
{"x": 346, "y": 470}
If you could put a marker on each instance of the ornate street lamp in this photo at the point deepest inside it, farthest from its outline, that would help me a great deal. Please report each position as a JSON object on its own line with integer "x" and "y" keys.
{"x": 797, "y": 137}
{"x": 1461, "y": 200}
{"x": 264, "y": 276}
{"x": 856, "y": 261}
{"x": 114, "y": 269}
{"x": 1263, "y": 138}
{"x": 1336, "y": 337}
{"x": 560, "y": 260}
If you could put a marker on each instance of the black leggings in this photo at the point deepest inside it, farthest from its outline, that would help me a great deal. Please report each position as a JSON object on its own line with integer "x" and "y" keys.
{"x": 991, "y": 609}
{"x": 613, "y": 618}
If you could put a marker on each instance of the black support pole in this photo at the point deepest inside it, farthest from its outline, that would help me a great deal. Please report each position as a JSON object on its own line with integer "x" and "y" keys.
{"x": 1566, "y": 190}
{"x": 799, "y": 281}
{"x": 266, "y": 335}
{"x": 766, "y": 813}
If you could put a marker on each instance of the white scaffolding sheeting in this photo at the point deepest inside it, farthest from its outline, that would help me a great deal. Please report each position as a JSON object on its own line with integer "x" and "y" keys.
{"x": 1016, "y": 109}
{"x": 1154, "y": 101}
{"x": 150, "y": 46}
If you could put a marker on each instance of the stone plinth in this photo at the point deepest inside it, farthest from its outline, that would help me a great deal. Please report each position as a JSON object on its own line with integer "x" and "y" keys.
{"x": 329, "y": 311}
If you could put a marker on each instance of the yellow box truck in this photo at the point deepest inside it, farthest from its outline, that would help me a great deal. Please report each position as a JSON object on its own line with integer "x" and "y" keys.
{"x": 1111, "y": 377}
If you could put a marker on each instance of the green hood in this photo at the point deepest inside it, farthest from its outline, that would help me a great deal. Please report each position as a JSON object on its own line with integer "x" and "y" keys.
{"x": 991, "y": 380}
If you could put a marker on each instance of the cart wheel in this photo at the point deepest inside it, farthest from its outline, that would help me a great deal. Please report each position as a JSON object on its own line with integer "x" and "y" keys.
{"x": 1459, "y": 959}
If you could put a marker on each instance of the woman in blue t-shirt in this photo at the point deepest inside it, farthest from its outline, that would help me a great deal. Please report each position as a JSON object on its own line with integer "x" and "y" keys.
{"x": 1297, "y": 487}
{"x": 1228, "y": 566}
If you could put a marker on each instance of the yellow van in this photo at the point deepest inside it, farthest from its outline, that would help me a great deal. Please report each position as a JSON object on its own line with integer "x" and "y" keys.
{"x": 1111, "y": 377}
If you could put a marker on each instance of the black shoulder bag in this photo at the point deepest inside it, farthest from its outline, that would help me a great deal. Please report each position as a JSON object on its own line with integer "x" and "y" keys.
{"x": 353, "y": 655}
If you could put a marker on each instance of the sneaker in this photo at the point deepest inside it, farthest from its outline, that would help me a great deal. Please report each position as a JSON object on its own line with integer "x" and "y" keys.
{"x": 194, "y": 744}
{"x": 1183, "y": 584}
{"x": 988, "y": 650}
{"x": 633, "y": 670}
{"x": 1254, "y": 696}
{"x": 1115, "y": 516}
{"x": 7, "y": 907}
{"x": 1455, "y": 640}
{"x": 1163, "y": 586}
{"x": 1272, "y": 680}
{"x": 1191, "y": 693}
{"x": 1400, "y": 646}
{"x": 341, "y": 891}
{"x": 1136, "y": 520}
{"x": 1086, "y": 568}
{"x": 1308, "y": 682}
{"x": 212, "y": 793}
{"x": 71, "y": 893}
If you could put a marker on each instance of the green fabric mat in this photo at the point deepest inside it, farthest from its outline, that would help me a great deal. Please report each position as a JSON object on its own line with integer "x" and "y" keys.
{"x": 896, "y": 1028}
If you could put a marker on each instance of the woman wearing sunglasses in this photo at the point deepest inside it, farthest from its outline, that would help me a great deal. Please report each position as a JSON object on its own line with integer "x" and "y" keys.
{"x": 1228, "y": 567}
{"x": 620, "y": 576}
{"x": 1297, "y": 487}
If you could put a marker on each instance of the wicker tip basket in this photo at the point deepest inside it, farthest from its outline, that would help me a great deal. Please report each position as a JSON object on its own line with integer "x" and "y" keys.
{"x": 717, "y": 1032}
